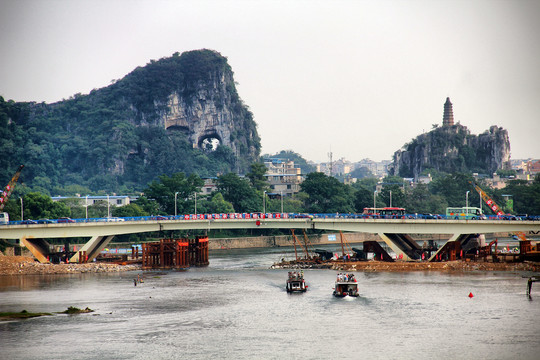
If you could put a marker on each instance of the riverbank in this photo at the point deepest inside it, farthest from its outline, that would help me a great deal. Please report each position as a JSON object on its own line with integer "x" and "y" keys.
{"x": 402, "y": 266}
{"x": 23, "y": 265}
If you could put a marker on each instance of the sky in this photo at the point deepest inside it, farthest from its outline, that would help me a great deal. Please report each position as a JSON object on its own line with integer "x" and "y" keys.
{"x": 355, "y": 78}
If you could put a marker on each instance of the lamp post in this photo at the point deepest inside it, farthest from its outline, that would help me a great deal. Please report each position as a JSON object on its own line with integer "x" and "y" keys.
{"x": 175, "y": 207}
{"x": 86, "y": 205}
{"x": 195, "y": 203}
{"x": 467, "y": 199}
{"x": 108, "y": 207}
{"x": 282, "y": 201}
{"x": 390, "y": 198}
{"x": 22, "y": 211}
{"x": 374, "y": 201}
{"x": 264, "y": 202}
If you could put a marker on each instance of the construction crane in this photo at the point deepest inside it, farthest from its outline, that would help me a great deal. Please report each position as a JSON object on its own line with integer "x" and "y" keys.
{"x": 495, "y": 208}
{"x": 489, "y": 201}
{"x": 9, "y": 188}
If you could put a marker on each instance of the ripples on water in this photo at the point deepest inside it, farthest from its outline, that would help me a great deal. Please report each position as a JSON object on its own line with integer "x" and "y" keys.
{"x": 237, "y": 308}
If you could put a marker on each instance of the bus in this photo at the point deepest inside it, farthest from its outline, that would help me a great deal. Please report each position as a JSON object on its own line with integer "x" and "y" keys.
{"x": 386, "y": 212}
{"x": 4, "y": 218}
{"x": 464, "y": 213}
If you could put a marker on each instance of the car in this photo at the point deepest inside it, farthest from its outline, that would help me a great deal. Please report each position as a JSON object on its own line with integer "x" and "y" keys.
{"x": 114, "y": 219}
{"x": 65, "y": 220}
{"x": 45, "y": 221}
{"x": 28, "y": 222}
{"x": 159, "y": 217}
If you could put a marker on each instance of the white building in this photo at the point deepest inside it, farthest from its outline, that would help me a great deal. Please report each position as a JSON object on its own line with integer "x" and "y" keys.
{"x": 283, "y": 177}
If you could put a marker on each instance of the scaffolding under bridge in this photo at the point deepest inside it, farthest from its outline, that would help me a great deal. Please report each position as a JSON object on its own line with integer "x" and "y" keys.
{"x": 175, "y": 253}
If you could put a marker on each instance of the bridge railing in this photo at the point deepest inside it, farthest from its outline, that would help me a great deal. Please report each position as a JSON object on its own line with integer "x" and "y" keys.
{"x": 257, "y": 215}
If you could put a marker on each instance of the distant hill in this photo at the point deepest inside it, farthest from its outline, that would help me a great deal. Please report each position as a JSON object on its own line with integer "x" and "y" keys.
{"x": 452, "y": 148}
{"x": 180, "y": 113}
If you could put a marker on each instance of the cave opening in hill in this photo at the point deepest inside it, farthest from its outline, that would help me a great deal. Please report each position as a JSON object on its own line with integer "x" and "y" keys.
{"x": 209, "y": 143}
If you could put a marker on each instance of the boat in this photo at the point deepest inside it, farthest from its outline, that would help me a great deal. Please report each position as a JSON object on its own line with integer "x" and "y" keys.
{"x": 346, "y": 285}
{"x": 296, "y": 282}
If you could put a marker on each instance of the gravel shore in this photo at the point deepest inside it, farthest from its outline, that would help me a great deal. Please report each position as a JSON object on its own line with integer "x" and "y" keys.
{"x": 21, "y": 265}
{"x": 402, "y": 266}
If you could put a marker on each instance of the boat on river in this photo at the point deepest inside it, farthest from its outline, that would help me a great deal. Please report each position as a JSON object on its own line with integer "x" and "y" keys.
{"x": 345, "y": 285}
{"x": 296, "y": 282}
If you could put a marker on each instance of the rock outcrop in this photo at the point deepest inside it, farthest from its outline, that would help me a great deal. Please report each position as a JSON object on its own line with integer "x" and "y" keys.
{"x": 176, "y": 114}
{"x": 453, "y": 149}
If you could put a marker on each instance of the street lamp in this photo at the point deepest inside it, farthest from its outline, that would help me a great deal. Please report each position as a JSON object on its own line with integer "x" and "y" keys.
{"x": 175, "y": 207}
{"x": 108, "y": 207}
{"x": 195, "y": 203}
{"x": 264, "y": 202}
{"x": 282, "y": 201}
{"x": 86, "y": 205}
{"x": 467, "y": 199}
{"x": 374, "y": 201}
{"x": 22, "y": 212}
{"x": 390, "y": 198}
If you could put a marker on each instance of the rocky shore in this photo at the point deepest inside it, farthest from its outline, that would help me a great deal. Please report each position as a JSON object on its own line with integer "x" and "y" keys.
{"x": 402, "y": 266}
{"x": 22, "y": 265}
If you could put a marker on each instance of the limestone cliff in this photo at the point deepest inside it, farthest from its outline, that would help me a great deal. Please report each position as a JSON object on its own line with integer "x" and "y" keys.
{"x": 176, "y": 114}
{"x": 453, "y": 148}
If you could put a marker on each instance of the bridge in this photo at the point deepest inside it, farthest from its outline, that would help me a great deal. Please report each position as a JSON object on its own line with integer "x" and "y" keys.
{"x": 394, "y": 232}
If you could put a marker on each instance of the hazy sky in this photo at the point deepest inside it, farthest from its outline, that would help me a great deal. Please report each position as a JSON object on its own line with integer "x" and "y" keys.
{"x": 359, "y": 78}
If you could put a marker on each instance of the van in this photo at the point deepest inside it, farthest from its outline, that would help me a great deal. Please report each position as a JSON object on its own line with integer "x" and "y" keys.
{"x": 4, "y": 218}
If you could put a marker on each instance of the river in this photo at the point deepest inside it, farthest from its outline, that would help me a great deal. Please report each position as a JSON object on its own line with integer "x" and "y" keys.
{"x": 237, "y": 308}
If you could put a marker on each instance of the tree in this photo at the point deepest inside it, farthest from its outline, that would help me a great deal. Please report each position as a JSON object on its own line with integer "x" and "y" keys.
{"x": 165, "y": 192}
{"x": 398, "y": 196}
{"x": 215, "y": 205}
{"x": 420, "y": 200}
{"x": 361, "y": 172}
{"x": 239, "y": 193}
{"x": 299, "y": 161}
{"x": 526, "y": 197}
{"x": 326, "y": 194}
{"x": 256, "y": 176}
{"x": 363, "y": 198}
{"x": 130, "y": 210}
{"x": 39, "y": 206}
{"x": 453, "y": 189}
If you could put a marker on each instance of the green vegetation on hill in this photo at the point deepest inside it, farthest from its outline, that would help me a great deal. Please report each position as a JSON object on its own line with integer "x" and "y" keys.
{"x": 113, "y": 139}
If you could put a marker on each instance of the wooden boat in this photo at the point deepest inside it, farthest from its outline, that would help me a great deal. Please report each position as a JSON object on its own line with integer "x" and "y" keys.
{"x": 296, "y": 282}
{"x": 346, "y": 285}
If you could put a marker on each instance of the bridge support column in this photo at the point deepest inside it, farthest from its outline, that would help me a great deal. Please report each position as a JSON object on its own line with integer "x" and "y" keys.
{"x": 403, "y": 244}
{"x": 457, "y": 241}
{"x": 38, "y": 247}
{"x": 93, "y": 247}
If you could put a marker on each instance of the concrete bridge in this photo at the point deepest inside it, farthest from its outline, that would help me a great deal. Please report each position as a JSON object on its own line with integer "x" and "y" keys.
{"x": 394, "y": 232}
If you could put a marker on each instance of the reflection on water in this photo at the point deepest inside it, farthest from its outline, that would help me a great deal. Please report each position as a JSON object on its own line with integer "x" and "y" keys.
{"x": 237, "y": 308}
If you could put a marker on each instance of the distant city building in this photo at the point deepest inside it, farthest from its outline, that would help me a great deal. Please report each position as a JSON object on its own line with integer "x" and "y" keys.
{"x": 283, "y": 177}
{"x": 424, "y": 179}
{"x": 115, "y": 200}
{"x": 338, "y": 167}
{"x": 533, "y": 167}
{"x": 210, "y": 185}
{"x": 448, "y": 116}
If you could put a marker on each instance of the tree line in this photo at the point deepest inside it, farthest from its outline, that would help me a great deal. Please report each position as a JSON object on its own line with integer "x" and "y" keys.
{"x": 181, "y": 194}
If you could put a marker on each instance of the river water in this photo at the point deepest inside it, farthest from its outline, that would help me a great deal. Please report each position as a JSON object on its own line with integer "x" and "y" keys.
{"x": 237, "y": 308}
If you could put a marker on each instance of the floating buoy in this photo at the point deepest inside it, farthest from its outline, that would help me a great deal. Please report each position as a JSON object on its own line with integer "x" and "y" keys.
{"x": 471, "y": 295}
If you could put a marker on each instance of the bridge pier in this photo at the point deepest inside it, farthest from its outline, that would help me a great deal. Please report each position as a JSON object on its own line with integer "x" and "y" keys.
{"x": 93, "y": 247}
{"x": 403, "y": 244}
{"x": 38, "y": 247}
{"x": 454, "y": 245}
